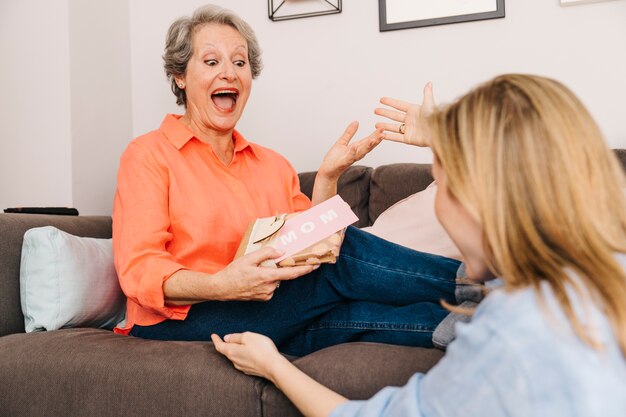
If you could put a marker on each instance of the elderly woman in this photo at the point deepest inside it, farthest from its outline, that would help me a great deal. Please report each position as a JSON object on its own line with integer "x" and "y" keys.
{"x": 187, "y": 191}
{"x": 530, "y": 193}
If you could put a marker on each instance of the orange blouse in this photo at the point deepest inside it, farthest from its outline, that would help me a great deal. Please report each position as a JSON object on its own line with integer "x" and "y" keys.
{"x": 177, "y": 206}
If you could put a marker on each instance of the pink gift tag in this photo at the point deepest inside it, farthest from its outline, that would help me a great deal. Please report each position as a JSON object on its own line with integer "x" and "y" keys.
{"x": 313, "y": 225}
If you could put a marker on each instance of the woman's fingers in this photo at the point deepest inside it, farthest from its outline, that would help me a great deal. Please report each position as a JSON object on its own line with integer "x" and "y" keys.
{"x": 249, "y": 352}
{"x": 219, "y": 344}
{"x": 391, "y": 114}
{"x": 389, "y": 127}
{"x": 371, "y": 139}
{"x": 293, "y": 272}
{"x": 375, "y": 136}
{"x": 277, "y": 274}
{"x": 367, "y": 144}
{"x": 343, "y": 153}
{"x": 429, "y": 98}
{"x": 348, "y": 134}
{"x": 263, "y": 254}
{"x": 395, "y": 103}
{"x": 234, "y": 338}
{"x": 375, "y": 141}
{"x": 394, "y": 137}
{"x": 227, "y": 347}
{"x": 361, "y": 148}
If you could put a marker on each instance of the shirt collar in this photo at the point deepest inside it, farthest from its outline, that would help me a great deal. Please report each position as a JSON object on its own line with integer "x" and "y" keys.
{"x": 176, "y": 132}
{"x": 241, "y": 143}
{"x": 179, "y": 134}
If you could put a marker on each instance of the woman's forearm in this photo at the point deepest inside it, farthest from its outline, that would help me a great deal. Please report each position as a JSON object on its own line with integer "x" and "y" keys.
{"x": 186, "y": 287}
{"x": 243, "y": 279}
{"x": 312, "y": 398}
{"x": 324, "y": 188}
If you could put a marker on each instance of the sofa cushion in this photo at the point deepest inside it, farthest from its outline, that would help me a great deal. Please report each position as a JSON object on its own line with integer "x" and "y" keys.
{"x": 77, "y": 372}
{"x": 91, "y": 372}
{"x": 12, "y": 229}
{"x": 355, "y": 370}
{"x": 68, "y": 281}
{"x": 412, "y": 222}
{"x": 353, "y": 187}
{"x": 392, "y": 183}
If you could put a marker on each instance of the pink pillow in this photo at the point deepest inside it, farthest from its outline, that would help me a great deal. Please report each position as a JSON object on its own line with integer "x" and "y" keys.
{"x": 412, "y": 223}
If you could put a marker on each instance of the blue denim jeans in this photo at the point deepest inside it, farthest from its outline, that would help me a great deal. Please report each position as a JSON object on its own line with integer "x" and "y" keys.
{"x": 377, "y": 291}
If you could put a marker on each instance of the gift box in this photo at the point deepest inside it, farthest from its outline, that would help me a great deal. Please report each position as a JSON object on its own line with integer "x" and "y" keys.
{"x": 310, "y": 237}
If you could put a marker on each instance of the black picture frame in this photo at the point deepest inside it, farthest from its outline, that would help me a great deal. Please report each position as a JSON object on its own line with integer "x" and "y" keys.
{"x": 274, "y": 10}
{"x": 452, "y": 18}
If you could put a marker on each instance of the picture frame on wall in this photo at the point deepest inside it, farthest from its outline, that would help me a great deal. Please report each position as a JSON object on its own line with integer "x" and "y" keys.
{"x": 406, "y": 14}
{"x": 296, "y": 9}
{"x": 576, "y": 2}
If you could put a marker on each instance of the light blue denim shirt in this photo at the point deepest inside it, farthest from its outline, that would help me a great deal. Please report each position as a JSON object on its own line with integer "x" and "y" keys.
{"x": 517, "y": 357}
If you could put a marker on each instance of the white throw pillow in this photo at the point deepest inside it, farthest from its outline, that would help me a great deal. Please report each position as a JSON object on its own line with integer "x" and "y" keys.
{"x": 412, "y": 223}
{"x": 68, "y": 281}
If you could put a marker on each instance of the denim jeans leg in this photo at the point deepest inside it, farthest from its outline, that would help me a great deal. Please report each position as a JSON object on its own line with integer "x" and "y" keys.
{"x": 368, "y": 269}
{"x": 372, "y": 269}
{"x": 295, "y": 305}
{"x": 364, "y": 321}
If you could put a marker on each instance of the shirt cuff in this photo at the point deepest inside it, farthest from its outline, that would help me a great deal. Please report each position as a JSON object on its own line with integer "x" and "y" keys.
{"x": 150, "y": 293}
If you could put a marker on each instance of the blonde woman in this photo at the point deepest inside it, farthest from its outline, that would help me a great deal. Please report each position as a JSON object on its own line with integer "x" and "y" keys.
{"x": 530, "y": 193}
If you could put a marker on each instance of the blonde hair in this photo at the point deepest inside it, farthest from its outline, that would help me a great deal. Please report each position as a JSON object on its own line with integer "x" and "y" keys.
{"x": 525, "y": 158}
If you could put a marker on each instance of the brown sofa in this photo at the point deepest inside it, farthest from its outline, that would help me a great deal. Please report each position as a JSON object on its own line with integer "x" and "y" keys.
{"x": 93, "y": 372}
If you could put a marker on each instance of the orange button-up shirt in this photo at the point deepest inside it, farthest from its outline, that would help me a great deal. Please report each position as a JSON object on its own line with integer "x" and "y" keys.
{"x": 177, "y": 206}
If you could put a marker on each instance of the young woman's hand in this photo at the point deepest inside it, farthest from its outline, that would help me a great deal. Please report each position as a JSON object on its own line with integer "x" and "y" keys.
{"x": 251, "y": 353}
{"x": 256, "y": 355}
{"x": 411, "y": 128}
{"x": 343, "y": 153}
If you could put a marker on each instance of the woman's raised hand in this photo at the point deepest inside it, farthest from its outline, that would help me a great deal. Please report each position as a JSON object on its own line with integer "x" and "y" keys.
{"x": 411, "y": 128}
{"x": 343, "y": 153}
{"x": 245, "y": 279}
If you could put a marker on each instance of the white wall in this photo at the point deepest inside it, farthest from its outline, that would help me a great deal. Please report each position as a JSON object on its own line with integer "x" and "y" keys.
{"x": 65, "y": 103}
{"x": 100, "y": 99}
{"x": 322, "y": 72}
{"x": 35, "y": 147}
{"x": 80, "y": 78}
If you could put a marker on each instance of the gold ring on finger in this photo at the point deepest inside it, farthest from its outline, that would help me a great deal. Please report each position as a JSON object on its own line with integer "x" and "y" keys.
{"x": 401, "y": 128}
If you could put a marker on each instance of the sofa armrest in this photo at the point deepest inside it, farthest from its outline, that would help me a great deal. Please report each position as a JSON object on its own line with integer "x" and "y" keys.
{"x": 12, "y": 229}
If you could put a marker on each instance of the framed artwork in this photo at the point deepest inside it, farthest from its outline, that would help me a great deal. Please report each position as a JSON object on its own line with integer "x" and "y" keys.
{"x": 296, "y": 9}
{"x": 575, "y": 2}
{"x": 406, "y": 14}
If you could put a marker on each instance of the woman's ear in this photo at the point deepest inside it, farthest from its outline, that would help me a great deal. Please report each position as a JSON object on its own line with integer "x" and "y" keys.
{"x": 180, "y": 82}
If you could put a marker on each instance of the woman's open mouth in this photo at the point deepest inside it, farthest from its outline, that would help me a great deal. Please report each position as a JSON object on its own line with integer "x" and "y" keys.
{"x": 225, "y": 99}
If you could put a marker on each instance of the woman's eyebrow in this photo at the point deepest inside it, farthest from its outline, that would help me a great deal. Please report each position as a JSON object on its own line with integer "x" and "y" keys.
{"x": 208, "y": 45}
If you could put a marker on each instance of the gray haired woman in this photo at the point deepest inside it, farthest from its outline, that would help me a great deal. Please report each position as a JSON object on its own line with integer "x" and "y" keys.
{"x": 187, "y": 191}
